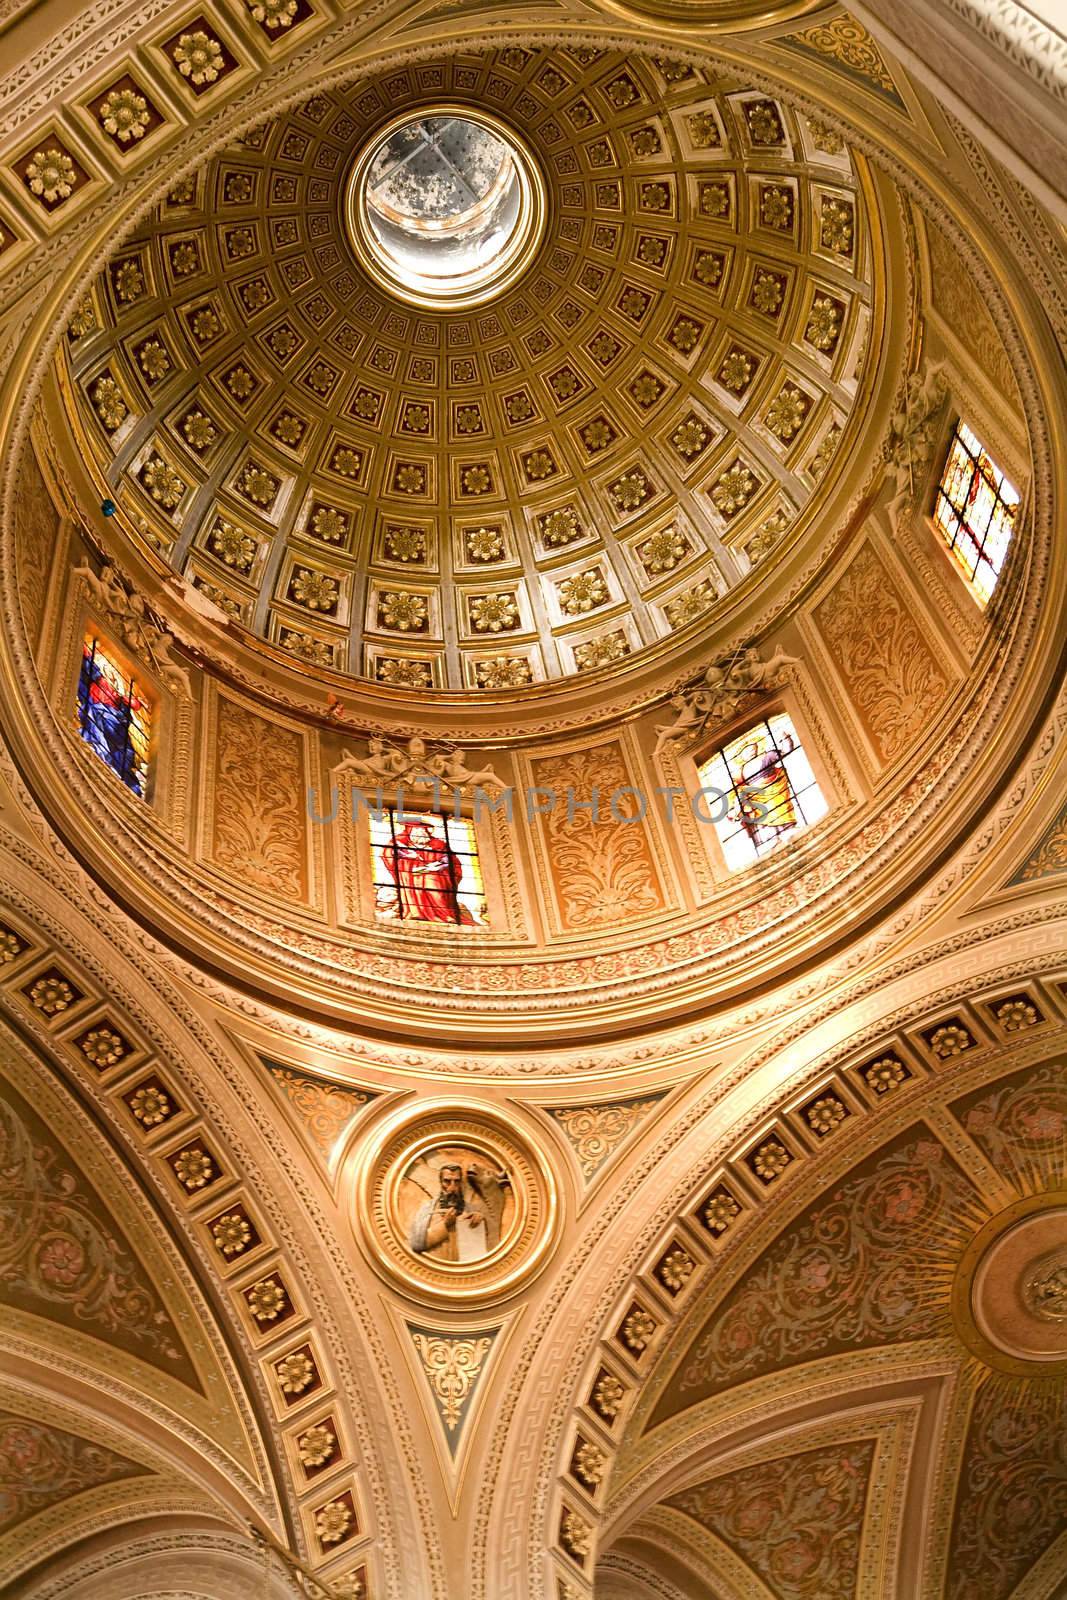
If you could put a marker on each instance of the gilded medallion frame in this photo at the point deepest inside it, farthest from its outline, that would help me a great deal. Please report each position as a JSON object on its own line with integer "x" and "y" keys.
{"x": 412, "y": 1135}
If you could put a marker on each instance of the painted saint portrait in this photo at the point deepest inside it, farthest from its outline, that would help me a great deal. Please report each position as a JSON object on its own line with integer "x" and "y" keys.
{"x": 455, "y": 1205}
{"x": 425, "y": 868}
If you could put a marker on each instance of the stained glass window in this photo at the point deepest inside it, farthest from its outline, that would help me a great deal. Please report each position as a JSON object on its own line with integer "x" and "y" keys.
{"x": 975, "y": 511}
{"x": 114, "y": 713}
{"x": 426, "y": 868}
{"x": 760, "y": 789}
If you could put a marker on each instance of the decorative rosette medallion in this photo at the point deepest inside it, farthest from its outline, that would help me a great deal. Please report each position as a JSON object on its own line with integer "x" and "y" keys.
{"x": 454, "y": 1203}
{"x": 1011, "y": 1288}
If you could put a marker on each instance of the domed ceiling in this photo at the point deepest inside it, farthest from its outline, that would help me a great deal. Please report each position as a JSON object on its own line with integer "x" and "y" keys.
{"x": 534, "y": 487}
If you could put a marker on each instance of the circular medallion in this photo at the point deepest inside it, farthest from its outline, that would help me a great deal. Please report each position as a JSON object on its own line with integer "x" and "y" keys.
{"x": 445, "y": 206}
{"x": 1011, "y": 1290}
{"x": 456, "y": 1204}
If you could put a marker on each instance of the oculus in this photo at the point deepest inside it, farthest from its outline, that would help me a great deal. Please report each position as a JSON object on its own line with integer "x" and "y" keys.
{"x": 445, "y": 207}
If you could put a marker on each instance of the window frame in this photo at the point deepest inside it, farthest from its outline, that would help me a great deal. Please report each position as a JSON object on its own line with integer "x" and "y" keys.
{"x": 510, "y": 914}
{"x": 442, "y": 819}
{"x": 948, "y": 545}
{"x": 707, "y": 749}
{"x": 132, "y": 678}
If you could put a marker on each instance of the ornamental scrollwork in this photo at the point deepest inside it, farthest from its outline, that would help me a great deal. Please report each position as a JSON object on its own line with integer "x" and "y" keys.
{"x": 718, "y": 693}
{"x": 452, "y": 1368}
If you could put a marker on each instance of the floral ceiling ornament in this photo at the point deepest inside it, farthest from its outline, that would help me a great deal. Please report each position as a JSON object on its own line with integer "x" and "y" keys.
{"x": 452, "y": 1368}
{"x": 267, "y": 1299}
{"x": 199, "y": 57}
{"x": 317, "y": 591}
{"x": 162, "y": 483}
{"x": 675, "y": 1270}
{"x": 125, "y": 115}
{"x": 720, "y": 1210}
{"x": 128, "y": 610}
{"x": 494, "y": 613}
{"x": 274, "y": 14}
{"x": 103, "y": 1047}
{"x": 1016, "y": 1014}
{"x": 503, "y": 672}
{"x": 404, "y": 672}
{"x": 663, "y": 551}
{"x": 716, "y": 695}
{"x": 637, "y": 1329}
{"x": 590, "y": 1464}
{"x": 601, "y": 652}
{"x": 575, "y": 1535}
{"x": 609, "y": 1392}
{"x": 295, "y": 1372}
{"x": 307, "y": 648}
{"x": 109, "y": 403}
{"x": 194, "y": 1168}
{"x": 332, "y": 1522}
{"x": 316, "y": 1446}
{"x": 150, "y": 1106}
{"x": 51, "y": 175}
{"x": 51, "y": 995}
{"x": 387, "y": 765}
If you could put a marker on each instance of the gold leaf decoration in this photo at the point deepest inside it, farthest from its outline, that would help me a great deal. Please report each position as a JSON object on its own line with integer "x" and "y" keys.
{"x": 324, "y": 1109}
{"x": 258, "y": 828}
{"x": 48, "y": 1465}
{"x": 1050, "y": 856}
{"x": 603, "y": 866}
{"x": 595, "y": 1132}
{"x": 891, "y": 674}
{"x": 453, "y": 1365}
{"x": 847, "y": 43}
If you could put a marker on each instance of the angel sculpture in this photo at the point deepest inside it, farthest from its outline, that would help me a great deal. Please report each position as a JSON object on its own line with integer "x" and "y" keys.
{"x": 912, "y": 426}
{"x": 415, "y": 767}
{"x": 107, "y": 590}
{"x": 130, "y": 611}
{"x": 451, "y": 769}
{"x": 171, "y": 672}
{"x": 691, "y": 714}
{"x": 379, "y": 766}
{"x": 137, "y": 627}
{"x": 718, "y": 693}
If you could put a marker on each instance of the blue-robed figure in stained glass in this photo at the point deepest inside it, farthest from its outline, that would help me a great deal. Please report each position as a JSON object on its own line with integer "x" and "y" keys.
{"x": 113, "y": 715}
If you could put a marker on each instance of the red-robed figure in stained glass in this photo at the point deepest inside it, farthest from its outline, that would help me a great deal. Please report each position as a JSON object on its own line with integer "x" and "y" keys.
{"x": 427, "y": 873}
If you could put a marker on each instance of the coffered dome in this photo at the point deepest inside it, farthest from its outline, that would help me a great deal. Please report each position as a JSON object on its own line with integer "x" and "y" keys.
{"x": 640, "y": 408}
